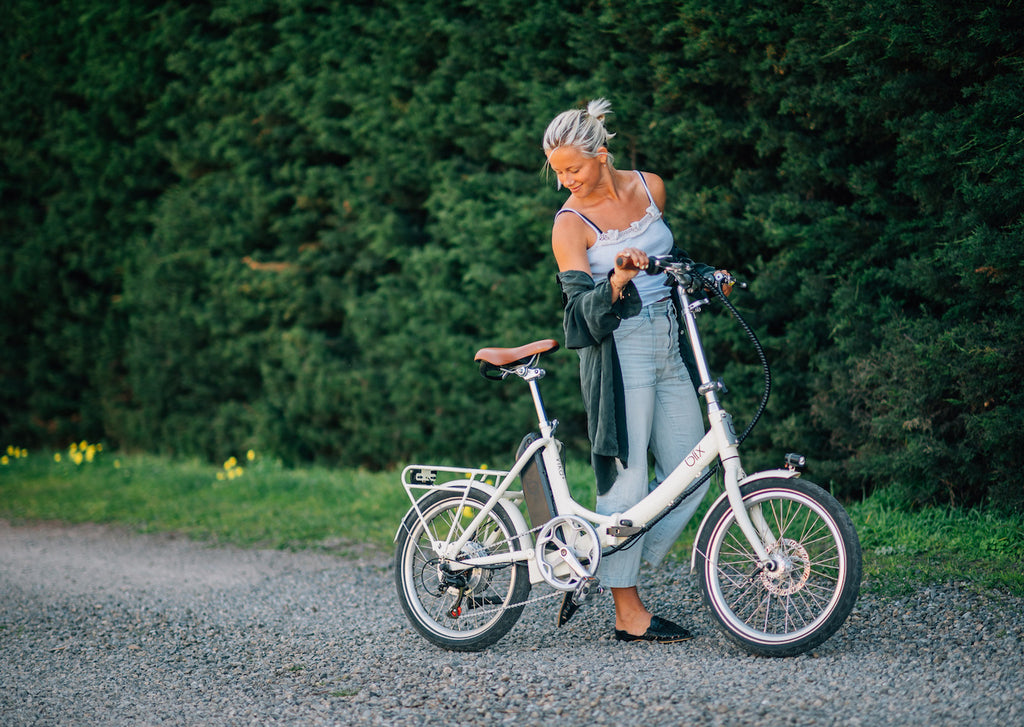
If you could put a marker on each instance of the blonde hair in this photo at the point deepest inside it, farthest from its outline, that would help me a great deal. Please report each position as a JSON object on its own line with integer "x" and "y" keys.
{"x": 580, "y": 128}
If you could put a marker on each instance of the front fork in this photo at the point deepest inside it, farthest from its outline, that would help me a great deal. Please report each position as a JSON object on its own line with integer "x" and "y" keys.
{"x": 752, "y": 522}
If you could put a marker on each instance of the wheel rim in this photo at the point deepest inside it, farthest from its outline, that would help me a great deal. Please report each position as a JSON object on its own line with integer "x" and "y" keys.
{"x": 787, "y": 605}
{"x": 486, "y": 591}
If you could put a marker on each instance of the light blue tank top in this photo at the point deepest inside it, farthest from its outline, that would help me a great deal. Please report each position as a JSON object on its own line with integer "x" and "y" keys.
{"x": 649, "y": 233}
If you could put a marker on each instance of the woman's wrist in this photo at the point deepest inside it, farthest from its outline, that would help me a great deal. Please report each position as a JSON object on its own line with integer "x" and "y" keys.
{"x": 617, "y": 286}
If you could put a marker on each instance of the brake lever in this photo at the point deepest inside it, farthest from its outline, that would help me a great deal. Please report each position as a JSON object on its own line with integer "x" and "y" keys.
{"x": 726, "y": 279}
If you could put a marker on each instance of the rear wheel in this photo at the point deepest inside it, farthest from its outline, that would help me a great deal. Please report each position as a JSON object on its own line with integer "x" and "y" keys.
{"x": 811, "y": 591}
{"x": 459, "y": 609}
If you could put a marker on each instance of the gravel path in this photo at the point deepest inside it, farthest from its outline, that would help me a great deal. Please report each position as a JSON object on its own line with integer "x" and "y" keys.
{"x": 102, "y": 627}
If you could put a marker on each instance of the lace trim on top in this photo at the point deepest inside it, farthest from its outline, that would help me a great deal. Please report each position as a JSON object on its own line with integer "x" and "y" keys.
{"x": 611, "y": 237}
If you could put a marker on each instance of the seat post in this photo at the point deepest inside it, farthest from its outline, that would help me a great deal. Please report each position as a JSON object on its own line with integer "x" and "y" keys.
{"x": 542, "y": 417}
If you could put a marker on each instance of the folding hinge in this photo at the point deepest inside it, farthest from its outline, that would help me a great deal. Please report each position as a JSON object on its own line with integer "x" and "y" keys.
{"x": 623, "y": 529}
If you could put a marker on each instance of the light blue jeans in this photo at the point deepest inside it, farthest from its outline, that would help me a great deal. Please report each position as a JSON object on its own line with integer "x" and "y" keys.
{"x": 664, "y": 418}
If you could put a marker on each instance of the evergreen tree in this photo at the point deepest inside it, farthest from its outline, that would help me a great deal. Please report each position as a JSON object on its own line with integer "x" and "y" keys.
{"x": 289, "y": 224}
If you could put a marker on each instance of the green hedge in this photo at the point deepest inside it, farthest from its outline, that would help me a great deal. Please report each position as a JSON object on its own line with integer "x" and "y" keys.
{"x": 288, "y": 225}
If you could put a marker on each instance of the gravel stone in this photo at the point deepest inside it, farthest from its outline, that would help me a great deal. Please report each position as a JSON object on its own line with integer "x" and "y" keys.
{"x": 99, "y": 626}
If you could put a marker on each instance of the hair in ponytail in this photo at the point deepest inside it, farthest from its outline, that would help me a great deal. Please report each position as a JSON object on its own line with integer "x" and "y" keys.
{"x": 580, "y": 128}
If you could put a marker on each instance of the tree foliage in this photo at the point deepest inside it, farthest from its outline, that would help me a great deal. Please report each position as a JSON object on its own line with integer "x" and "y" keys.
{"x": 288, "y": 224}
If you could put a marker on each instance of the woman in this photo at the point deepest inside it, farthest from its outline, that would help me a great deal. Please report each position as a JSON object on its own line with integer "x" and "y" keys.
{"x": 637, "y": 388}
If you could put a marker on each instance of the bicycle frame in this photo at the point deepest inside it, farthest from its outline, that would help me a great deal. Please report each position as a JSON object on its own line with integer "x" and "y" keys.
{"x": 720, "y": 442}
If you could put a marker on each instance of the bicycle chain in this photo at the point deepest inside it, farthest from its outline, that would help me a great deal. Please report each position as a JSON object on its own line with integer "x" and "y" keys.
{"x": 507, "y": 606}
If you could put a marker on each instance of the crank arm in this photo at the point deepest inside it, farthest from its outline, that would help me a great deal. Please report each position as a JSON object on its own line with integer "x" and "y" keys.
{"x": 571, "y": 560}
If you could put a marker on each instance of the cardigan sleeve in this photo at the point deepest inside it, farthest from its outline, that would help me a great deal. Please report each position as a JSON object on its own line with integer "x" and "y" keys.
{"x": 589, "y": 319}
{"x": 589, "y": 315}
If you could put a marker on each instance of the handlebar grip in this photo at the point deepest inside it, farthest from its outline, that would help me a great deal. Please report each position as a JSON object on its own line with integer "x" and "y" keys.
{"x": 652, "y": 265}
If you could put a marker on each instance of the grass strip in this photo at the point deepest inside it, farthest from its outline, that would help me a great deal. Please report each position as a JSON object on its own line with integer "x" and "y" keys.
{"x": 259, "y": 503}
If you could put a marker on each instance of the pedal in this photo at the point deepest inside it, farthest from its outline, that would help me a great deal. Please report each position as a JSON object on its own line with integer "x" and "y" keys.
{"x": 586, "y": 590}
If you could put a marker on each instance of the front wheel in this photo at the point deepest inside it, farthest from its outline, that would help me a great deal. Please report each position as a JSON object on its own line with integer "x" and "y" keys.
{"x": 817, "y": 568}
{"x": 459, "y": 609}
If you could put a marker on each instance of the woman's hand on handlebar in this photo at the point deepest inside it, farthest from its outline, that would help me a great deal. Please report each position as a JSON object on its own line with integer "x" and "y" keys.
{"x": 725, "y": 281}
{"x": 628, "y": 263}
{"x": 631, "y": 261}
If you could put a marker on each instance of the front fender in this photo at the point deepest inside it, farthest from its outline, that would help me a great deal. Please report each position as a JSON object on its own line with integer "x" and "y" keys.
{"x": 764, "y": 475}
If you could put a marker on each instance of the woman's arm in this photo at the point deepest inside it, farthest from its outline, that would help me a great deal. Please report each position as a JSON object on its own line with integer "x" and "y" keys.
{"x": 570, "y": 238}
{"x": 569, "y": 241}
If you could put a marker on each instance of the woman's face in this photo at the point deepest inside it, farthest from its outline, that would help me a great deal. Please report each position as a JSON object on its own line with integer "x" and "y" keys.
{"x": 576, "y": 171}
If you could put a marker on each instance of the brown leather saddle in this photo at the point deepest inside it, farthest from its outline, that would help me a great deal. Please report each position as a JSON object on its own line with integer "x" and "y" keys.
{"x": 492, "y": 360}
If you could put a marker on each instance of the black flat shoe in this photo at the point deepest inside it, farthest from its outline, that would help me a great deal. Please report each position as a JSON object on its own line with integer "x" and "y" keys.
{"x": 569, "y": 607}
{"x": 661, "y": 631}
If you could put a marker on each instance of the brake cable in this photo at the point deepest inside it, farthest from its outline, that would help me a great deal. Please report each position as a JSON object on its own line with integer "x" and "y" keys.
{"x": 716, "y": 288}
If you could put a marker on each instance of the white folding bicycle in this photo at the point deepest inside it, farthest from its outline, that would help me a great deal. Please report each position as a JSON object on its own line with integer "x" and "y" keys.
{"x": 777, "y": 557}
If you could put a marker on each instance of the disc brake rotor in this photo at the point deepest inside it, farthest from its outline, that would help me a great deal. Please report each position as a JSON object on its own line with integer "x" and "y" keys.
{"x": 794, "y": 571}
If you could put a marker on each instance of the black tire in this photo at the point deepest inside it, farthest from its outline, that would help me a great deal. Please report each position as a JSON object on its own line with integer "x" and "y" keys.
{"x": 796, "y": 608}
{"x": 487, "y": 602}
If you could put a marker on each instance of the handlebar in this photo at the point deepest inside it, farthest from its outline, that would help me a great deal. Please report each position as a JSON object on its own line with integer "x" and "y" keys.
{"x": 682, "y": 271}
{"x": 692, "y": 281}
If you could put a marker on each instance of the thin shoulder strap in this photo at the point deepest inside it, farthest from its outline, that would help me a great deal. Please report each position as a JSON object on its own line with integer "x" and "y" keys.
{"x": 581, "y": 216}
{"x": 646, "y": 188}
